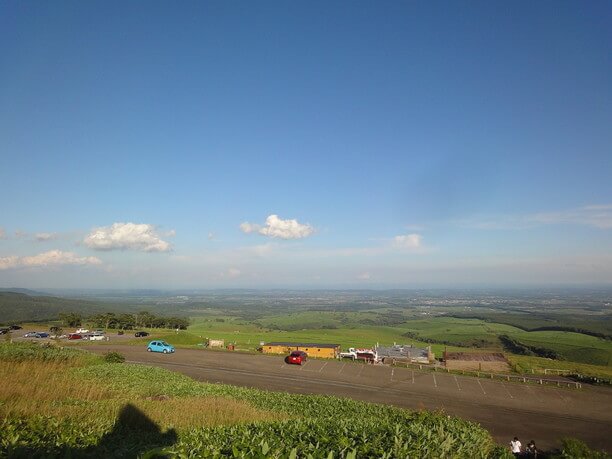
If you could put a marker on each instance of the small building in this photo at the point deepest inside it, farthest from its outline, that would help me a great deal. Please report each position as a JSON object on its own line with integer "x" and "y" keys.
{"x": 476, "y": 361}
{"x": 328, "y": 351}
{"x": 216, "y": 343}
{"x": 404, "y": 353}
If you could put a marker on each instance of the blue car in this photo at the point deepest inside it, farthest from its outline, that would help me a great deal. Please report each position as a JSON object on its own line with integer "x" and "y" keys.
{"x": 160, "y": 346}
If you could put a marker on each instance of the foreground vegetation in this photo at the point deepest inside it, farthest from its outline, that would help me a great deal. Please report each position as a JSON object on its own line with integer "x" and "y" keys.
{"x": 65, "y": 402}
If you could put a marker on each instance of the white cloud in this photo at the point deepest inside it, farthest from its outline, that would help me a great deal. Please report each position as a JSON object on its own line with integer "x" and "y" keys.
{"x": 407, "y": 241}
{"x": 127, "y": 236}
{"x": 43, "y": 237}
{"x": 50, "y": 258}
{"x": 247, "y": 227}
{"x": 276, "y": 227}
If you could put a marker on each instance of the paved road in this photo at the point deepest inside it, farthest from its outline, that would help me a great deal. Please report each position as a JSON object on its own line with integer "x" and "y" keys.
{"x": 544, "y": 414}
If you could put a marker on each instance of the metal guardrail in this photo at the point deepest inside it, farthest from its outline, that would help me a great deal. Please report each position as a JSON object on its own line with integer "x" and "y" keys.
{"x": 502, "y": 377}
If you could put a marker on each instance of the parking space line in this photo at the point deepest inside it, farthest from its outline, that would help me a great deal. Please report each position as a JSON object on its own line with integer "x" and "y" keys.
{"x": 342, "y": 367}
{"x": 504, "y": 386}
{"x": 392, "y": 370}
{"x": 483, "y": 391}
{"x": 361, "y": 369}
{"x": 321, "y": 369}
{"x": 435, "y": 382}
{"x": 457, "y": 382}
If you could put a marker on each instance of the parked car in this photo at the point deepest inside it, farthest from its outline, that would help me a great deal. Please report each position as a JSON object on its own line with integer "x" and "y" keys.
{"x": 160, "y": 346}
{"x": 75, "y": 336}
{"x": 138, "y": 334}
{"x": 30, "y": 335}
{"x": 15, "y": 327}
{"x": 4, "y": 331}
{"x": 42, "y": 335}
{"x": 96, "y": 337}
{"x": 297, "y": 357}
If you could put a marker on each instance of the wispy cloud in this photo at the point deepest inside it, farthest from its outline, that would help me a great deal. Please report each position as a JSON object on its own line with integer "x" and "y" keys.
{"x": 276, "y": 227}
{"x": 50, "y": 258}
{"x": 595, "y": 216}
{"x": 598, "y": 216}
{"x": 128, "y": 236}
{"x": 408, "y": 241}
{"x": 231, "y": 273}
{"x": 44, "y": 237}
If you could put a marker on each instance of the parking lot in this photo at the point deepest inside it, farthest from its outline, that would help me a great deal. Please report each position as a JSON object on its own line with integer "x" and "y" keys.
{"x": 505, "y": 408}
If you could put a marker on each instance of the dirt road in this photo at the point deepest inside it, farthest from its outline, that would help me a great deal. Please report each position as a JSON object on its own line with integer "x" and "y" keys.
{"x": 544, "y": 414}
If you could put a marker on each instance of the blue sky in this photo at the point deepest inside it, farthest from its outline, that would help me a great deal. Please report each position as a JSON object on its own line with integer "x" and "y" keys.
{"x": 363, "y": 144}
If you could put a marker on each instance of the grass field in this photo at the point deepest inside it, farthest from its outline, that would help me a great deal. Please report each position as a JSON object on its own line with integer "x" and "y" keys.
{"x": 456, "y": 332}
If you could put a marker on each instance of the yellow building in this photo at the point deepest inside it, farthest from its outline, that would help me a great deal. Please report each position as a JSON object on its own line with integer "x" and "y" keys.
{"x": 328, "y": 351}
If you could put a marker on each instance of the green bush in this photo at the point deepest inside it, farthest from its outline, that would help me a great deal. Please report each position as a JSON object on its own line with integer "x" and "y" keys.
{"x": 576, "y": 449}
{"x": 114, "y": 357}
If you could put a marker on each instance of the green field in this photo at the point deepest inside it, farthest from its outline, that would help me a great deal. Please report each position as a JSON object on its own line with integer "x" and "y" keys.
{"x": 363, "y": 321}
{"x": 348, "y": 331}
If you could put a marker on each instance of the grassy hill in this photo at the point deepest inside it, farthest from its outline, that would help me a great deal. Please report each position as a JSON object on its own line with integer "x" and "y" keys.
{"x": 62, "y": 402}
{"x": 22, "y": 307}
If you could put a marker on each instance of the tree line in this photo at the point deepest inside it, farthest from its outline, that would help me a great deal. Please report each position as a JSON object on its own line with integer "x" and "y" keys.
{"x": 143, "y": 319}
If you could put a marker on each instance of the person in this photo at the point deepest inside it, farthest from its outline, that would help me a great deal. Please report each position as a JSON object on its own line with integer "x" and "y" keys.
{"x": 531, "y": 450}
{"x": 515, "y": 447}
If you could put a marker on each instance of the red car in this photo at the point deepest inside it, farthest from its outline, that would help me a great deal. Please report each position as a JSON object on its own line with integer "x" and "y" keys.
{"x": 75, "y": 336}
{"x": 297, "y": 357}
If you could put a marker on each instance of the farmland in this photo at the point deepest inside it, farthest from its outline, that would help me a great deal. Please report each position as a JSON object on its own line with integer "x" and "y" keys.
{"x": 456, "y": 333}
{"x": 574, "y": 327}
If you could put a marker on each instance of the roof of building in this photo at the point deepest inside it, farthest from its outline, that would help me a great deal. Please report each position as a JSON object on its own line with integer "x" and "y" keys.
{"x": 405, "y": 351}
{"x": 319, "y": 345}
{"x": 475, "y": 356}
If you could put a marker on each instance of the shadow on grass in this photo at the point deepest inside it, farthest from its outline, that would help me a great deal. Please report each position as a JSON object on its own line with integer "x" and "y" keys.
{"x": 134, "y": 435}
